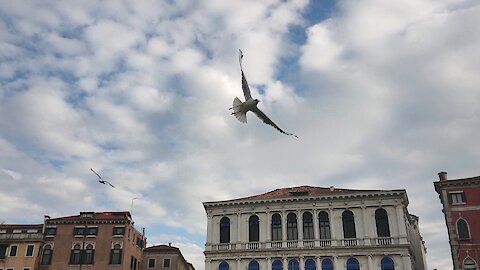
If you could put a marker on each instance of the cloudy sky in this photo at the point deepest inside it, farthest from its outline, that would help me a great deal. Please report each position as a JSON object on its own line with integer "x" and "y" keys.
{"x": 382, "y": 94}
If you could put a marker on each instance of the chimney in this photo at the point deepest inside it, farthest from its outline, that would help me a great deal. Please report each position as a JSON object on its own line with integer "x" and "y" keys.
{"x": 169, "y": 244}
{"x": 442, "y": 176}
{"x": 46, "y": 217}
{"x": 332, "y": 188}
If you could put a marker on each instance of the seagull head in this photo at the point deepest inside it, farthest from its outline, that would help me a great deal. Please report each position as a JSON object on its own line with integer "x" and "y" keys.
{"x": 256, "y": 101}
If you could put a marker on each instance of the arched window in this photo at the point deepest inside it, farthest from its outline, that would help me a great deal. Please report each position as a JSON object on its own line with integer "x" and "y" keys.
{"x": 310, "y": 265}
{"x": 277, "y": 265}
{"x": 308, "y": 226}
{"x": 223, "y": 266}
{"x": 47, "y": 255}
{"x": 292, "y": 233}
{"x": 327, "y": 264}
{"x": 348, "y": 224}
{"x": 276, "y": 227}
{"x": 469, "y": 264}
{"x": 387, "y": 264}
{"x": 225, "y": 230}
{"x": 75, "y": 254}
{"x": 89, "y": 254}
{"x": 253, "y": 265}
{"x": 352, "y": 264}
{"x": 293, "y": 264}
{"x": 381, "y": 220}
{"x": 253, "y": 230}
{"x": 324, "y": 224}
{"x": 462, "y": 229}
{"x": 116, "y": 254}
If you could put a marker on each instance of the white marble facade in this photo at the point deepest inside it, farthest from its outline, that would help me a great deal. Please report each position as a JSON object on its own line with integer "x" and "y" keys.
{"x": 399, "y": 245}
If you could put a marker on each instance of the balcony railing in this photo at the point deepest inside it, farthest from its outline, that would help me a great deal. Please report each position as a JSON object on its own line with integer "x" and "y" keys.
{"x": 317, "y": 243}
{"x": 20, "y": 236}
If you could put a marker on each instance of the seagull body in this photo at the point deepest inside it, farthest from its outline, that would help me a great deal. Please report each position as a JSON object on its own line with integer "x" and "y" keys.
{"x": 100, "y": 180}
{"x": 240, "y": 108}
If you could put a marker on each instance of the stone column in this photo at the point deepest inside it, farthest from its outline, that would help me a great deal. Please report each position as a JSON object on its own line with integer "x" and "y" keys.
{"x": 300, "y": 228}
{"x": 238, "y": 263}
{"x": 407, "y": 263}
{"x": 337, "y": 264}
{"x": 319, "y": 263}
{"x": 402, "y": 230}
{"x": 285, "y": 263}
{"x": 366, "y": 227}
{"x": 269, "y": 263}
{"x": 269, "y": 227}
{"x": 316, "y": 230}
{"x": 284, "y": 226}
{"x": 370, "y": 263}
{"x": 333, "y": 223}
{"x": 302, "y": 263}
{"x": 209, "y": 228}
{"x": 239, "y": 227}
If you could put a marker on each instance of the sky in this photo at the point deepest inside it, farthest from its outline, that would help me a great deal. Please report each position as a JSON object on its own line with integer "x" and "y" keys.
{"x": 382, "y": 95}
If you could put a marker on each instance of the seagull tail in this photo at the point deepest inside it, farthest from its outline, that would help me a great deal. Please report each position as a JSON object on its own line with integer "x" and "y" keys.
{"x": 238, "y": 112}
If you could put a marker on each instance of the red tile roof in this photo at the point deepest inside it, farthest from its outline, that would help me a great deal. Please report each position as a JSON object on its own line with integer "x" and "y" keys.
{"x": 161, "y": 248}
{"x": 301, "y": 191}
{"x": 96, "y": 216}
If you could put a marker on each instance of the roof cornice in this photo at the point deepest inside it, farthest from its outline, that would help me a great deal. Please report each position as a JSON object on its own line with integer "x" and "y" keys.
{"x": 340, "y": 196}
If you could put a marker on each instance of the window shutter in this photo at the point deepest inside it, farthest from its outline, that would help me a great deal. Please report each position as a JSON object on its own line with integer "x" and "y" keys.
{"x": 464, "y": 199}
{"x": 449, "y": 195}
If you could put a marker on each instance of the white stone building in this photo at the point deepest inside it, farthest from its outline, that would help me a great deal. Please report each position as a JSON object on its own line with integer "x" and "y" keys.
{"x": 309, "y": 228}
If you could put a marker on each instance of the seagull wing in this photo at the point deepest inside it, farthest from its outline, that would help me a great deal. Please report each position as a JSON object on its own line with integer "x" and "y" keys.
{"x": 109, "y": 184}
{"x": 267, "y": 120}
{"x": 246, "y": 90}
{"x": 96, "y": 173}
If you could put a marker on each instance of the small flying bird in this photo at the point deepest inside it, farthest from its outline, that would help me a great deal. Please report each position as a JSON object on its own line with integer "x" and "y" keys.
{"x": 240, "y": 108}
{"x": 105, "y": 182}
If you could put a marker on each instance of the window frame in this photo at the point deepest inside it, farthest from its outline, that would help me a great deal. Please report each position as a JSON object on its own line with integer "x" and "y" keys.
{"x": 382, "y": 223}
{"x": 324, "y": 226}
{"x": 460, "y": 233}
{"x": 33, "y": 250}
{"x": 292, "y": 227}
{"x": 457, "y": 197}
{"x": 254, "y": 228}
{"x": 50, "y": 254}
{"x": 10, "y": 251}
{"x": 169, "y": 263}
{"x": 224, "y": 230}
{"x": 114, "y": 252}
{"x": 348, "y": 225}
{"x": 308, "y": 227}
{"x": 149, "y": 265}
{"x": 116, "y": 229}
{"x": 384, "y": 263}
{"x": 276, "y": 227}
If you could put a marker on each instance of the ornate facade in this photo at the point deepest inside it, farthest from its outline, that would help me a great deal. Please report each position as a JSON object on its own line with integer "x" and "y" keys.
{"x": 461, "y": 205}
{"x": 308, "y": 228}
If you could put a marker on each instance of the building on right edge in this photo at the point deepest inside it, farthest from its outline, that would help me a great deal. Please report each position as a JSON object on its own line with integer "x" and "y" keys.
{"x": 461, "y": 206}
{"x": 309, "y": 228}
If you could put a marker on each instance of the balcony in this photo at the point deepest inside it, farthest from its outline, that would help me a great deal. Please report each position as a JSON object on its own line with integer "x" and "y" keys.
{"x": 13, "y": 237}
{"x": 317, "y": 243}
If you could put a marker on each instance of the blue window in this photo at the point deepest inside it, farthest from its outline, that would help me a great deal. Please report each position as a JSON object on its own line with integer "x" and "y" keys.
{"x": 387, "y": 264}
{"x": 327, "y": 264}
{"x": 352, "y": 264}
{"x": 277, "y": 265}
{"x": 310, "y": 265}
{"x": 293, "y": 265}
{"x": 253, "y": 265}
{"x": 225, "y": 230}
{"x": 223, "y": 266}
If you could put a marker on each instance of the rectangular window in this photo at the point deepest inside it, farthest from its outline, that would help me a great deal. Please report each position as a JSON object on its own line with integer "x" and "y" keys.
{"x": 30, "y": 249}
{"x": 3, "y": 250}
{"x": 92, "y": 231}
{"x": 166, "y": 263}
{"x": 50, "y": 231}
{"x": 79, "y": 231}
{"x": 457, "y": 197}
{"x": 151, "y": 263}
{"x": 13, "y": 251}
{"x": 118, "y": 231}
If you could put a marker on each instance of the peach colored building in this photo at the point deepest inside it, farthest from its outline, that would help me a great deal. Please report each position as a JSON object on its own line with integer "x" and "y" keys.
{"x": 93, "y": 241}
{"x": 163, "y": 257}
{"x": 19, "y": 246}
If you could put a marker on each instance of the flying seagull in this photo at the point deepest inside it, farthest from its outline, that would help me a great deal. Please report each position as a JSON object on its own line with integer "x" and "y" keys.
{"x": 240, "y": 108}
{"x": 105, "y": 182}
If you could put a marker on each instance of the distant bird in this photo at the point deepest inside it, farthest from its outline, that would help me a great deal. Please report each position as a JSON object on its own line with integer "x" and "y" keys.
{"x": 105, "y": 182}
{"x": 240, "y": 108}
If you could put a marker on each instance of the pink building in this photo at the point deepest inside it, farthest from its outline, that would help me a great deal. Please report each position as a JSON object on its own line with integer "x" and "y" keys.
{"x": 461, "y": 206}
